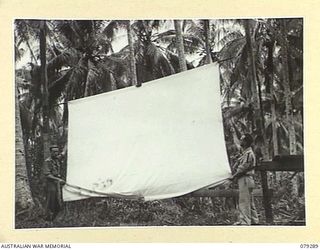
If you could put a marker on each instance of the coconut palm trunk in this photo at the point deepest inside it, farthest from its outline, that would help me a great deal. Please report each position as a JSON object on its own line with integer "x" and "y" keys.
{"x": 269, "y": 77}
{"x": 287, "y": 90}
{"x": 87, "y": 84}
{"x": 33, "y": 58}
{"x": 207, "y": 37}
{"x": 287, "y": 98}
{"x": 251, "y": 62}
{"x": 255, "y": 87}
{"x": 23, "y": 197}
{"x": 133, "y": 71}
{"x": 180, "y": 47}
{"x": 45, "y": 91}
{"x": 270, "y": 91}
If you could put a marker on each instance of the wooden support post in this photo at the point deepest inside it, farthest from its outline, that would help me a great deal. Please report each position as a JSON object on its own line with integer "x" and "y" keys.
{"x": 266, "y": 198}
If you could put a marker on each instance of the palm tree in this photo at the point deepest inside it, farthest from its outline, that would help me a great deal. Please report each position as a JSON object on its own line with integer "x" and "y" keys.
{"x": 153, "y": 59}
{"x": 274, "y": 65}
{"x": 288, "y": 97}
{"x": 26, "y": 32}
{"x": 287, "y": 90}
{"x": 207, "y": 35}
{"x": 197, "y": 40}
{"x": 242, "y": 58}
{"x": 180, "y": 46}
{"x": 45, "y": 92}
{"x": 275, "y": 70}
{"x": 23, "y": 195}
{"x": 269, "y": 82}
{"x": 133, "y": 71}
{"x": 252, "y": 64}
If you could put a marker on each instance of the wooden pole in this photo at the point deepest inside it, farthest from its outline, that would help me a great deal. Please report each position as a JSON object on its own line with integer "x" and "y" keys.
{"x": 266, "y": 198}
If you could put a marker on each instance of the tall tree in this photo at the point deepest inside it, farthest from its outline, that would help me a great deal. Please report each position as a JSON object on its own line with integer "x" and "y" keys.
{"x": 207, "y": 35}
{"x": 255, "y": 86}
{"x": 25, "y": 32}
{"x": 153, "y": 60}
{"x": 288, "y": 98}
{"x": 234, "y": 57}
{"x": 197, "y": 39}
{"x": 180, "y": 47}
{"x": 269, "y": 80}
{"x": 133, "y": 71}
{"x": 45, "y": 90}
{"x": 23, "y": 196}
{"x": 247, "y": 23}
{"x": 287, "y": 89}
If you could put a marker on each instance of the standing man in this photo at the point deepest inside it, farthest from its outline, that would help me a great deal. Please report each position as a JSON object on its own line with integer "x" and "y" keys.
{"x": 52, "y": 172}
{"x": 244, "y": 175}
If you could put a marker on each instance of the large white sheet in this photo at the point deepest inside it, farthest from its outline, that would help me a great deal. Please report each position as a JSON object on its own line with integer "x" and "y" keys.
{"x": 162, "y": 140}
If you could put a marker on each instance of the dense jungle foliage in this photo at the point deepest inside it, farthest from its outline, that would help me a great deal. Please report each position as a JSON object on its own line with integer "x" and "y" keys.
{"x": 261, "y": 80}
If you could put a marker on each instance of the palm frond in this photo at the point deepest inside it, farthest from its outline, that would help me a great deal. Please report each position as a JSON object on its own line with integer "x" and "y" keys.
{"x": 155, "y": 24}
{"x": 76, "y": 80}
{"x": 166, "y": 36}
{"x": 231, "y": 36}
{"x": 66, "y": 29}
{"x": 111, "y": 29}
{"x": 239, "y": 111}
{"x": 91, "y": 78}
{"x": 232, "y": 49}
{"x": 192, "y": 40}
{"x": 159, "y": 59}
{"x": 194, "y": 29}
{"x": 68, "y": 57}
{"x": 57, "y": 87}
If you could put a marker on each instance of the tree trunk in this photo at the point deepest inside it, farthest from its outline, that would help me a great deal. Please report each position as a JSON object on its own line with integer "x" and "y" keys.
{"x": 270, "y": 91}
{"x": 206, "y": 24}
{"x": 287, "y": 90}
{"x": 133, "y": 71}
{"x": 88, "y": 79}
{"x": 269, "y": 77}
{"x": 287, "y": 98}
{"x": 23, "y": 197}
{"x": 180, "y": 47}
{"x": 33, "y": 58}
{"x": 113, "y": 83}
{"x": 236, "y": 139}
{"x": 252, "y": 65}
{"x": 255, "y": 88}
{"x": 45, "y": 91}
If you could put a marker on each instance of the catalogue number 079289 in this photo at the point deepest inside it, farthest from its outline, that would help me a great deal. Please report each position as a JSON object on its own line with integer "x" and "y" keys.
{"x": 309, "y": 246}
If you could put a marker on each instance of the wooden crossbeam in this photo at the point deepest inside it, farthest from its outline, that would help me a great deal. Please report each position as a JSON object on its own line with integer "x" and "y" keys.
{"x": 283, "y": 163}
{"x": 224, "y": 193}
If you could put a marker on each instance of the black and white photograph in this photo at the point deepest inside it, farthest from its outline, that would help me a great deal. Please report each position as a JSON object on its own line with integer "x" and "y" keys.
{"x": 159, "y": 122}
